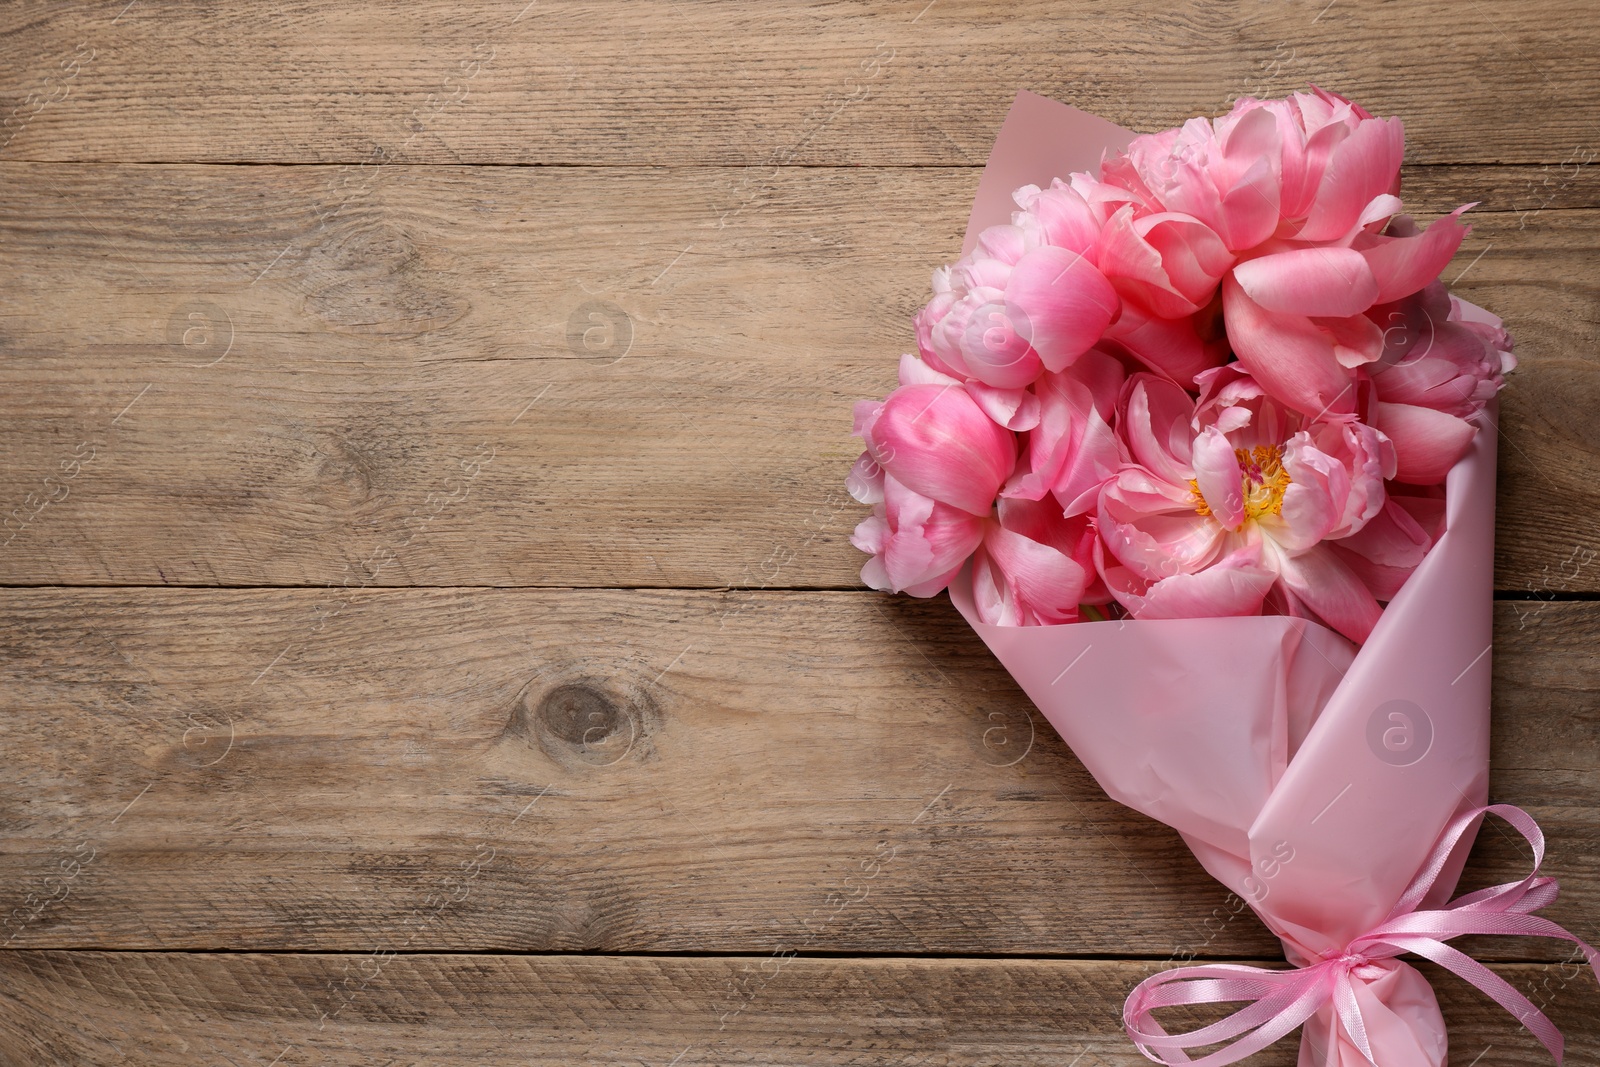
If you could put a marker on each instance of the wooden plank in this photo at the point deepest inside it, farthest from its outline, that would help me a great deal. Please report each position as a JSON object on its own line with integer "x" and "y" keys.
{"x": 627, "y": 771}
{"x": 668, "y": 82}
{"x": 501, "y": 376}
{"x": 163, "y": 1008}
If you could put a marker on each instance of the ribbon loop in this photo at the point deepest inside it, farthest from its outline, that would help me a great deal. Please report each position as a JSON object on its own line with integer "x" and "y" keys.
{"x": 1280, "y": 1000}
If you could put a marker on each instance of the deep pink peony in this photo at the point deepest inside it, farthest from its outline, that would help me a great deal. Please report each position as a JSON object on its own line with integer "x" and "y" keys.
{"x": 1283, "y": 204}
{"x": 936, "y": 441}
{"x": 1035, "y": 566}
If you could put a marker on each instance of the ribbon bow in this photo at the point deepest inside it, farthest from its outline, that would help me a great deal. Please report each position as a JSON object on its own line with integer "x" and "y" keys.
{"x": 1282, "y": 1000}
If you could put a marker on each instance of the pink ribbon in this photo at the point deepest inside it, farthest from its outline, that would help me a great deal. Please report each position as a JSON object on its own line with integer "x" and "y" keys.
{"x": 1282, "y": 1000}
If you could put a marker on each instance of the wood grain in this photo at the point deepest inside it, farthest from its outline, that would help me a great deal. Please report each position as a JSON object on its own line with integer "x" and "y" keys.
{"x": 408, "y": 376}
{"x": 163, "y": 1008}
{"x": 697, "y": 82}
{"x": 628, "y": 771}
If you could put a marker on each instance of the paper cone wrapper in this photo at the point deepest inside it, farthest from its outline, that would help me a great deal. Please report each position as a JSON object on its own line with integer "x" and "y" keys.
{"x": 1308, "y": 777}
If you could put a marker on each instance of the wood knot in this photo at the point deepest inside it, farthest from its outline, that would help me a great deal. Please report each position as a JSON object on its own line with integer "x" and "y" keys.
{"x": 581, "y": 715}
{"x": 581, "y": 722}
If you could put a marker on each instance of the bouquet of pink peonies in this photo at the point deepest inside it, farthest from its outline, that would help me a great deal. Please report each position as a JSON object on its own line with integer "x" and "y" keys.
{"x": 1204, "y": 397}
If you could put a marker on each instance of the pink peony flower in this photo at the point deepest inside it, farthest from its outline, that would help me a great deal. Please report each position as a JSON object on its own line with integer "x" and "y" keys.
{"x": 1437, "y": 371}
{"x": 1232, "y": 498}
{"x": 917, "y": 545}
{"x": 1280, "y": 202}
{"x": 1018, "y": 303}
{"x": 1035, "y": 566}
{"x": 964, "y": 331}
{"x": 937, "y": 442}
{"x": 1032, "y": 565}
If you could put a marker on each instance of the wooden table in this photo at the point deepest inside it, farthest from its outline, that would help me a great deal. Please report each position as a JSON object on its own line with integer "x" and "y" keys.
{"x": 430, "y": 633}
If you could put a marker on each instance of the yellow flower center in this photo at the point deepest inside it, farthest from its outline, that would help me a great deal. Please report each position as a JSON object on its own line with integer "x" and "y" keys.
{"x": 1262, "y": 482}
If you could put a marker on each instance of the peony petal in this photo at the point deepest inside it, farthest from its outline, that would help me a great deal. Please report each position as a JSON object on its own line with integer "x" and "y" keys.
{"x": 1362, "y": 166}
{"x": 1168, "y": 262}
{"x": 1357, "y": 340}
{"x": 1427, "y": 443}
{"x": 1384, "y": 582}
{"x": 1310, "y": 281}
{"x": 1383, "y": 206}
{"x": 996, "y": 352}
{"x": 914, "y": 371}
{"x": 1046, "y": 584}
{"x": 1193, "y": 257}
{"x": 1155, "y": 423}
{"x": 1369, "y": 459}
{"x": 1152, "y": 527}
{"x": 1073, "y": 449}
{"x": 991, "y": 593}
{"x": 875, "y": 575}
{"x": 865, "y": 482}
{"x": 1392, "y": 537}
{"x": 1314, "y": 501}
{"x": 918, "y": 544}
{"x": 1217, "y": 473}
{"x": 1331, "y": 589}
{"x": 1403, "y": 265}
{"x": 1426, "y": 507}
{"x": 1098, "y": 455}
{"x": 1287, "y": 354}
{"x": 871, "y": 534}
{"x": 1060, "y": 303}
{"x": 927, "y": 321}
{"x": 1250, "y": 210}
{"x": 1065, "y": 218}
{"x": 1015, "y": 409}
{"x": 1234, "y": 585}
{"x": 938, "y": 442}
{"x": 1003, "y": 243}
{"x": 1171, "y": 347}
{"x": 1251, "y": 202}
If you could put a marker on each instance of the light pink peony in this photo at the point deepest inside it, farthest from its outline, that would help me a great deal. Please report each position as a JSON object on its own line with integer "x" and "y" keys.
{"x": 1437, "y": 371}
{"x": 1230, "y": 500}
{"x": 917, "y": 545}
{"x": 1019, "y": 303}
{"x": 1032, "y": 565}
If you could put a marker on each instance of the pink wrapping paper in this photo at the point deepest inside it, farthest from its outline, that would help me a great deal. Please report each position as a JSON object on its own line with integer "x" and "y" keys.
{"x": 1310, "y": 778}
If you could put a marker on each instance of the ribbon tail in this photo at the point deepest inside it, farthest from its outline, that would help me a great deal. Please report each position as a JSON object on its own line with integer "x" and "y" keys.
{"x": 1344, "y": 1002}
{"x": 1497, "y": 988}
